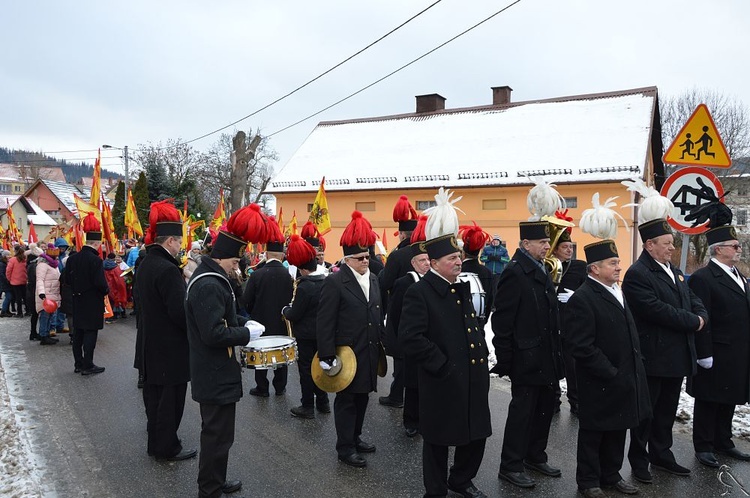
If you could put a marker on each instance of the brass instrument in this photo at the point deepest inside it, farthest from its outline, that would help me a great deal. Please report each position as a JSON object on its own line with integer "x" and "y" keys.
{"x": 556, "y": 229}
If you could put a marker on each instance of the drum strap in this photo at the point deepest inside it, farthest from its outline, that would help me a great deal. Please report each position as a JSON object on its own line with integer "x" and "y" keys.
{"x": 211, "y": 274}
{"x": 415, "y": 276}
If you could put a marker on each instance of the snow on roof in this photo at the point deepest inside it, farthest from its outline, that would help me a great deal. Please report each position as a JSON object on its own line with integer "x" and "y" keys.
{"x": 23, "y": 173}
{"x": 39, "y": 217}
{"x": 590, "y": 138}
{"x": 7, "y": 200}
{"x": 64, "y": 192}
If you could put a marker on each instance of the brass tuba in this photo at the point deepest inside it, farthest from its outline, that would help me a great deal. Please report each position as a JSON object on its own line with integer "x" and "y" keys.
{"x": 556, "y": 229}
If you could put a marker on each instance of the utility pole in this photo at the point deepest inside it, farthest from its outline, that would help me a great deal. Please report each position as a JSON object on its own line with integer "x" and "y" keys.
{"x": 127, "y": 178}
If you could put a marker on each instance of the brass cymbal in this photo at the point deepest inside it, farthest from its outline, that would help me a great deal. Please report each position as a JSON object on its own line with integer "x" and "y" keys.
{"x": 338, "y": 378}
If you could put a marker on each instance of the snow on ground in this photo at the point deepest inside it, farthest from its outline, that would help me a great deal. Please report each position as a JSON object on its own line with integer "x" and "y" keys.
{"x": 17, "y": 475}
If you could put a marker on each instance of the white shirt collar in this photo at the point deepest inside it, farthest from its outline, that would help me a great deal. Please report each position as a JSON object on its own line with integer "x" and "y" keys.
{"x": 614, "y": 289}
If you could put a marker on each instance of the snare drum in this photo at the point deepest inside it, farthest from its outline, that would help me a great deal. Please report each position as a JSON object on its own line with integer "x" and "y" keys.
{"x": 269, "y": 352}
{"x": 477, "y": 292}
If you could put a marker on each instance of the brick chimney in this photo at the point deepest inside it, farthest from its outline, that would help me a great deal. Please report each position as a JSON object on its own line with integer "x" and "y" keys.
{"x": 430, "y": 103}
{"x": 501, "y": 95}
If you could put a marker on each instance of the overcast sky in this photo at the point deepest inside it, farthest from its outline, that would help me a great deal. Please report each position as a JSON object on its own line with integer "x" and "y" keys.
{"x": 76, "y": 75}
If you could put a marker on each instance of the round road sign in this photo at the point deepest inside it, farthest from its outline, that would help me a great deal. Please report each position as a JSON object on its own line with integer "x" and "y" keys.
{"x": 689, "y": 189}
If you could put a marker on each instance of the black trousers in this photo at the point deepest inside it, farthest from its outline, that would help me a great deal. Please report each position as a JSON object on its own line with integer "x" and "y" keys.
{"x": 600, "y": 456}
{"x": 164, "y": 408}
{"x": 279, "y": 379}
{"x": 34, "y": 322}
{"x": 570, "y": 377}
{"x": 527, "y": 427}
{"x": 466, "y": 462}
{"x": 651, "y": 441}
{"x": 712, "y": 426}
{"x": 84, "y": 342}
{"x": 306, "y": 349}
{"x": 217, "y": 437}
{"x": 397, "y": 385}
{"x": 349, "y": 415}
{"x": 19, "y": 294}
{"x": 411, "y": 408}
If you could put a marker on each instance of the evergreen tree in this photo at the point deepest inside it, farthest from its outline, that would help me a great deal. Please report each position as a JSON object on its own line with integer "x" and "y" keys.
{"x": 118, "y": 210}
{"x": 141, "y": 199}
{"x": 160, "y": 186}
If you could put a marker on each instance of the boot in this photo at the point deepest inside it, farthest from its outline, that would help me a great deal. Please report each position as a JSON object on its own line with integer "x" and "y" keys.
{"x": 33, "y": 336}
{"x": 47, "y": 341}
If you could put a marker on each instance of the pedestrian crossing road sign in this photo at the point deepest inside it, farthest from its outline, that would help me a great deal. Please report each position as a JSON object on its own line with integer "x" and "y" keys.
{"x": 698, "y": 143}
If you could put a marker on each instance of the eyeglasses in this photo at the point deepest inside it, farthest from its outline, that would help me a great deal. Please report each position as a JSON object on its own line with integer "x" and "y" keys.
{"x": 359, "y": 258}
{"x": 736, "y": 247}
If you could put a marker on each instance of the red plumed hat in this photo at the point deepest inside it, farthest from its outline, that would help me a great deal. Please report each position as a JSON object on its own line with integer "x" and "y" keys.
{"x": 418, "y": 235}
{"x": 301, "y": 254}
{"x": 310, "y": 233}
{"x": 405, "y": 215}
{"x": 92, "y": 227}
{"x": 474, "y": 238}
{"x": 245, "y": 225}
{"x": 322, "y": 242}
{"x": 274, "y": 237}
{"x": 357, "y": 236}
{"x": 163, "y": 219}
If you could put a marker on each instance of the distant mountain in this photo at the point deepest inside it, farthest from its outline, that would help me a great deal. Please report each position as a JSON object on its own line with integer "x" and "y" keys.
{"x": 73, "y": 171}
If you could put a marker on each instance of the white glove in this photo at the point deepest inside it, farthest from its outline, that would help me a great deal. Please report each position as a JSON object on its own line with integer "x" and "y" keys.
{"x": 256, "y": 329}
{"x": 325, "y": 366}
{"x": 706, "y": 362}
{"x": 564, "y": 296}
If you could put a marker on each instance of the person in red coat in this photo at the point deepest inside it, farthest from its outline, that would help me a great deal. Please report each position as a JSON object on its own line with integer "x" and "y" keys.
{"x": 118, "y": 293}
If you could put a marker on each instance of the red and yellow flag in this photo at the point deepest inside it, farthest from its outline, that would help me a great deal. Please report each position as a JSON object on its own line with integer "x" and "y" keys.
{"x": 84, "y": 208}
{"x": 108, "y": 226}
{"x": 33, "y": 237}
{"x": 14, "y": 234}
{"x": 291, "y": 229}
{"x": 96, "y": 184}
{"x": 131, "y": 217}
{"x": 220, "y": 214}
{"x": 280, "y": 220}
{"x": 319, "y": 213}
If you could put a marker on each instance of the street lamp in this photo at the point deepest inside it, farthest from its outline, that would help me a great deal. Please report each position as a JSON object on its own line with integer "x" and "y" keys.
{"x": 125, "y": 156}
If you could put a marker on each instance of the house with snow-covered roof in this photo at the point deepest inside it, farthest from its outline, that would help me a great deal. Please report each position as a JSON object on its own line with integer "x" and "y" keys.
{"x": 487, "y": 154}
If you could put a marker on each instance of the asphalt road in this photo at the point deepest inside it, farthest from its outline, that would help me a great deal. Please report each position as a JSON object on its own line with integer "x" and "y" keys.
{"x": 88, "y": 434}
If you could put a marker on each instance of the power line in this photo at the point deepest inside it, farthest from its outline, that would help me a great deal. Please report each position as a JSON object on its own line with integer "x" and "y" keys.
{"x": 394, "y": 72}
{"x": 317, "y": 77}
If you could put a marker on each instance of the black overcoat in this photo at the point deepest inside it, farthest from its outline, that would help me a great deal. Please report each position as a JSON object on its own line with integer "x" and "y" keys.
{"x": 303, "y": 313}
{"x": 84, "y": 272}
{"x": 574, "y": 274}
{"x": 395, "y": 308}
{"x": 214, "y": 329}
{"x": 666, "y": 315}
{"x": 440, "y": 333}
{"x": 396, "y": 266}
{"x": 160, "y": 299}
{"x": 612, "y": 387}
{"x": 346, "y": 318}
{"x": 726, "y": 339}
{"x": 266, "y": 292}
{"x": 526, "y": 325}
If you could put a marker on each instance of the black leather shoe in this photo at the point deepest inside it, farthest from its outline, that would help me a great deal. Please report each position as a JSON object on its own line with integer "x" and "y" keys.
{"x": 363, "y": 447}
{"x": 385, "y": 400}
{"x": 93, "y": 370}
{"x": 48, "y": 341}
{"x": 77, "y": 370}
{"x": 353, "y": 460}
{"x": 257, "y": 392}
{"x": 303, "y": 412}
{"x": 592, "y": 492}
{"x": 231, "y": 486}
{"x": 623, "y": 487}
{"x": 735, "y": 453}
{"x": 643, "y": 475}
{"x": 543, "y": 468}
{"x": 411, "y": 432}
{"x": 281, "y": 392}
{"x": 707, "y": 458}
{"x": 520, "y": 479}
{"x": 324, "y": 408}
{"x": 673, "y": 468}
{"x": 468, "y": 492}
{"x": 183, "y": 455}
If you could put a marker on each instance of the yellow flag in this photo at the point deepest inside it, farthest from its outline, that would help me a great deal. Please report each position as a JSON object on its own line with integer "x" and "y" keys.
{"x": 84, "y": 208}
{"x": 319, "y": 213}
{"x": 131, "y": 216}
{"x": 96, "y": 184}
{"x": 220, "y": 214}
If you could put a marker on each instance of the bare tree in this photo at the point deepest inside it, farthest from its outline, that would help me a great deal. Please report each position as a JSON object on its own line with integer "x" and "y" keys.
{"x": 732, "y": 119}
{"x": 217, "y": 167}
{"x": 175, "y": 159}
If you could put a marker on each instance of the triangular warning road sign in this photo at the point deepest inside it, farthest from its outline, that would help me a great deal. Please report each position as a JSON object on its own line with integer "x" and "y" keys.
{"x": 698, "y": 143}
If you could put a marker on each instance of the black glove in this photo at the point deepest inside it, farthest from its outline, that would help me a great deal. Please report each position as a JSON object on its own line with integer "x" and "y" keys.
{"x": 42, "y": 296}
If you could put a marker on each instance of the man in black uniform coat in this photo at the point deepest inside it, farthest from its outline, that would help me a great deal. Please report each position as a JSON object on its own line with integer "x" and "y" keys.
{"x": 267, "y": 291}
{"x": 614, "y": 393}
{"x": 667, "y": 314}
{"x": 527, "y": 344}
{"x": 420, "y": 263}
{"x": 214, "y": 329}
{"x": 303, "y": 314}
{"x": 474, "y": 239}
{"x": 723, "y": 348}
{"x": 573, "y": 275}
{"x": 396, "y": 266}
{"x": 440, "y": 333}
{"x": 160, "y": 291}
{"x": 350, "y": 314}
{"x": 84, "y": 272}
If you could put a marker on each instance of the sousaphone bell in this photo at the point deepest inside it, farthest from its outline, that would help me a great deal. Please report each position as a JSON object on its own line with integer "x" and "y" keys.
{"x": 556, "y": 228}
